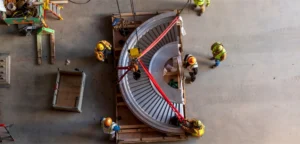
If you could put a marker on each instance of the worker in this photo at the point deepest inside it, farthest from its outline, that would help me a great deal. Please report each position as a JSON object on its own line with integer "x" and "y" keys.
{"x": 200, "y": 6}
{"x": 102, "y": 50}
{"x": 134, "y": 53}
{"x": 135, "y": 69}
{"x": 194, "y": 127}
{"x": 190, "y": 63}
{"x": 218, "y": 52}
{"x": 109, "y": 127}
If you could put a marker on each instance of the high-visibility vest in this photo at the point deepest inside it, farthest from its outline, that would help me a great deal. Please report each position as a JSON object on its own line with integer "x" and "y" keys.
{"x": 218, "y": 56}
{"x": 221, "y": 53}
{"x": 108, "y": 130}
{"x": 106, "y": 44}
{"x": 201, "y": 2}
{"x": 198, "y": 132}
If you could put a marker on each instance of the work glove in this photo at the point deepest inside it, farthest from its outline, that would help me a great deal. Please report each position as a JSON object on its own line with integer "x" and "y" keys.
{"x": 116, "y": 128}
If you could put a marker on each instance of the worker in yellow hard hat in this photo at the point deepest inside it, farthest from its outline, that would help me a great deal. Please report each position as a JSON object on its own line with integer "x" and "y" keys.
{"x": 134, "y": 53}
{"x": 194, "y": 127}
{"x": 200, "y": 6}
{"x": 102, "y": 50}
{"x": 219, "y": 53}
{"x": 190, "y": 63}
{"x": 109, "y": 127}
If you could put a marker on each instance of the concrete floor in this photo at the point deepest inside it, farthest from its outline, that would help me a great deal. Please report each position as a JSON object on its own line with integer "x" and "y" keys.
{"x": 253, "y": 97}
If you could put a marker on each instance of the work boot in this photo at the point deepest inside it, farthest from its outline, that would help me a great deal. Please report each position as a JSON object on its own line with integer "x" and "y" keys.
{"x": 213, "y": 66}
{"x": 197, "y": 8}
{"x": 199, "y": 13}
{"x": 174, "y": 121}
{"x": 193, "y": 79}
{"x": 137, "y": 75}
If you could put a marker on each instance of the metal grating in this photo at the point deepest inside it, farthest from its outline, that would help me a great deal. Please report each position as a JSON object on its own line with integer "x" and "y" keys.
{"x": 4, "y": 70}
{"x": 140, "y": 95}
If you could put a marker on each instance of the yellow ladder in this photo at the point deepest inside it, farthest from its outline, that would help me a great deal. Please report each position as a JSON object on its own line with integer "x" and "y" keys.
{"x": 53, "y": 8}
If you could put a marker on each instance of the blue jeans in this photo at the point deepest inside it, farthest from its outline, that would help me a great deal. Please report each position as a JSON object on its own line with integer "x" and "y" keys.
{"x": 217, "y": 62}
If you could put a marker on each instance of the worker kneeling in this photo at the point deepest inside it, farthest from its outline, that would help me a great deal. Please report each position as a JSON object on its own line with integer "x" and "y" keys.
{"x": 102, "y": 50}
{"x": 219, "y": 53}
{"x": 109, "y": 127}
{"x": 194, "y": 127}
{"x": 190, "y": 63}
{"x": 134, "y": 53}
{"x": 135, "y": 70}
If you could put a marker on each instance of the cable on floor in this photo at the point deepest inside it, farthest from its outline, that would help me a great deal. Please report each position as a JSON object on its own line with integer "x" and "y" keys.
{"x": 71, "y": 1}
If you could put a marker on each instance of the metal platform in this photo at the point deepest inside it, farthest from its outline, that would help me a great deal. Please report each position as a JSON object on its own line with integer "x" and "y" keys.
{"x": 4, "y": 70}
{"x": 140, "y": 95}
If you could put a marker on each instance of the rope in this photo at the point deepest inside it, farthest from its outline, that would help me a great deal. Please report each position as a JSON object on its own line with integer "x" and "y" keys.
{"x": 188, "y": 1}
{"x": 134, "y": 14}
{"x": 119, "y": 9}
{"x": 78, "y": 2}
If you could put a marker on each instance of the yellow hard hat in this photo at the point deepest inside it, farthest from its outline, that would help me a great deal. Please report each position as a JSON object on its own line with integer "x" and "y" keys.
{"x": 100, "y": 47}
{"x": 108, "y": 122}
{"x": 198, "y": 124}
{"x": 219, "y": 48}
{"x": 192, "y": 60}
{"x": 134, "y": 53}
{"x": 106, "y": 44}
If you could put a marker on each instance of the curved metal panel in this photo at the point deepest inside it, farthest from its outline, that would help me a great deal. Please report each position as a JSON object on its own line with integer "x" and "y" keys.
{"x": 140, "y": 95}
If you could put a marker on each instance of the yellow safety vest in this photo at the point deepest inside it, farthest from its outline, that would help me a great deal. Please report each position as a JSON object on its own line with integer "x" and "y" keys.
{"x": 201, "y": 2}
{"x": 220, "y": 54}
{"x": 198, "y": 132}
{"x": 106, "y": 44}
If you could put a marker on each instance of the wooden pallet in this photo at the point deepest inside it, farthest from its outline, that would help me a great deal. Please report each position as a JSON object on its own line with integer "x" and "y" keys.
{"x": 132, "y": 129}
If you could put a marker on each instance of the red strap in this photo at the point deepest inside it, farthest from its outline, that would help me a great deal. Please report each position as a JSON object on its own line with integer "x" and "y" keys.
{"x": 2, "y": 125}
{"x": 179, "y": 116}
{"x": 124, "y": 75}
{"x": 123, "y": 67}
{"x": 159, "y": 37}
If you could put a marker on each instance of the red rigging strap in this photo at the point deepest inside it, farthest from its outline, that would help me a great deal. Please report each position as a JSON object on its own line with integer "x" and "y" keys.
{"x": 122, "y": 68}
{"x": 152, "y": 44}
{"x": 179, "y": 116}
{"x": 159, "y": 37}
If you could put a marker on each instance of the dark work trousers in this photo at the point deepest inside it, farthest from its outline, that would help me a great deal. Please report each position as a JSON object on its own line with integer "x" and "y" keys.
{"x": 193, "y": 74}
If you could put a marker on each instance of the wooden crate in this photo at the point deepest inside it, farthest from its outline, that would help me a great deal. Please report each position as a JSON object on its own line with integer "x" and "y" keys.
{"x": 132, "y": 129}
{"x": 68, "y": 93}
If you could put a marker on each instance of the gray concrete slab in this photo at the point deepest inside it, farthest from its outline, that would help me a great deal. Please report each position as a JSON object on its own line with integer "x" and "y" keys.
{"x": 251, "y": 98}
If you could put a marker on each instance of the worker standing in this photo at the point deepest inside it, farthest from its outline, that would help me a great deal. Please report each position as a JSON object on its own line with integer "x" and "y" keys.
{"x": 109, "y": 127}
{"x": 194, "y": 127}
{"x": 190, "y": 63}
{"x": 218, "y": 52}
{"x": 200, "y": 6}
{"x": 102, "y": 50}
